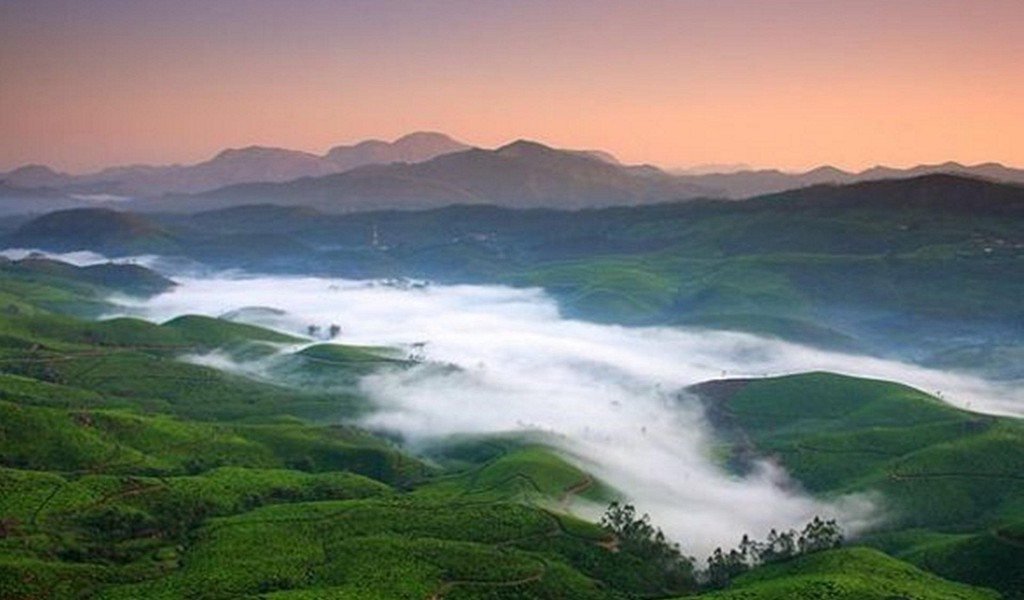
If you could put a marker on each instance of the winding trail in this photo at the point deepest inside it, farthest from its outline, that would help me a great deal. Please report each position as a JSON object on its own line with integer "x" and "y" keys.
{"x": 566, "y": 498}
{"x": 448, "y": 585}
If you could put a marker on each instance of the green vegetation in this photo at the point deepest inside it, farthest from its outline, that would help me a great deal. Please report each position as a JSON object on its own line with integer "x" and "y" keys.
{"x": 510, "y": 469}
{"x": 846, "y": 574}
{"x": 949, "y": 481}
{"x": 924, "y": 267}
{"x": 127, "y": 472}
{"x": 101, "y": 230}
{"x": 817, "y": 536}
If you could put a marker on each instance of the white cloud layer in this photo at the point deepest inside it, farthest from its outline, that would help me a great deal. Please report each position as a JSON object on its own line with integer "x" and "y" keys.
{"x": 608, "y": 393}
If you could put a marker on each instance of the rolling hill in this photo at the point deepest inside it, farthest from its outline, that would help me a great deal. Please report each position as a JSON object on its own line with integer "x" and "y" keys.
{"x": 878, "y": 267}
{"x": 949, "y": 480}
{"x": 100, "y": 230}
{"x": 128, "y": 473}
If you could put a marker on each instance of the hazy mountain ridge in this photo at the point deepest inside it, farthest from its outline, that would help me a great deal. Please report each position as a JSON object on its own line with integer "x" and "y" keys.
{"x": 20, "y": 201}
{"x": 873, "y": 265}
{"x": 531, "y": 174}
{"x": 749, "y": 183}
{"x": 411, "y": 148}
{"x": 522, "y": 174}
{"x": 235, "y": 165}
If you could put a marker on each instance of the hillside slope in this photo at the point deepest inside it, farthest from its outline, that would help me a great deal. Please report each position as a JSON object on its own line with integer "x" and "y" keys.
{"x": 948, "y": 481}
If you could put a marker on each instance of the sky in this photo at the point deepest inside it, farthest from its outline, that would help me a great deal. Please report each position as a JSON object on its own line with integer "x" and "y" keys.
{"x": 789, "y": 84}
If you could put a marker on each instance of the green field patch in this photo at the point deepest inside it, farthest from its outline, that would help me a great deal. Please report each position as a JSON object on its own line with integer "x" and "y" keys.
{"x": 991, "y": 558}
{"x": 528, "y": 473}
{"x": 816, "y": 400}
{"x": 28, "y": 391}
{"x": 344, "y": 354}
{"x": 395, "y": 548}
{"x": 337, "y": 447}
{"x": 944, "y": 479}
{"x": 31, "y": 579}
{"x": 209, "y": 332}
{"x": 616, "y": 289}
{"x": 847, "y": 574}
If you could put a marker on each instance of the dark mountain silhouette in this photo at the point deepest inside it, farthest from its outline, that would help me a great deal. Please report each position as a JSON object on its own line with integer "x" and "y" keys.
{"x": 98, "y": 229}
{"x": 936, "y": 191}
{"x": 235, "y": 165}
{"x": 263, "y": 164}
{"x": 36, "y": 176}
{"x": 412, "y": 148}
{"x": 746, "y": 184}
{"x": 527, "y": 182}
{"x": 263, "y": 218}
{"x": 520, "y": 174}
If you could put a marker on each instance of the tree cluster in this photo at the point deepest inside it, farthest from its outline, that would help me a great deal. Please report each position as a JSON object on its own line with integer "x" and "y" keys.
{"x": 636, "y": 536}
{"x": 816, "y": 536}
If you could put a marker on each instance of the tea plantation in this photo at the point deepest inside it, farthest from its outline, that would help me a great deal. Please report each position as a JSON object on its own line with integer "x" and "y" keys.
{"x": 126, "y": 472}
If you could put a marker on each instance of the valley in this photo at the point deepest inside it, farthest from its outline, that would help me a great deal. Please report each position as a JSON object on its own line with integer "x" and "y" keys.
{"x": 559, "y": 300}
{"x": 457, "y": 396}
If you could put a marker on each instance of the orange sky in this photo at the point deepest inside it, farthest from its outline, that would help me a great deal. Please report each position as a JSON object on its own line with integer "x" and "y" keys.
{"x": 775, "y": 83}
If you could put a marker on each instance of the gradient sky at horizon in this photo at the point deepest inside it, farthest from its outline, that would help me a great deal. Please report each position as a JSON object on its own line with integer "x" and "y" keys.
{"x": 771, "y": 83}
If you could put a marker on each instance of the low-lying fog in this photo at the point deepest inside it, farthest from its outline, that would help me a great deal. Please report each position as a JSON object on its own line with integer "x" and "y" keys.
{"x": 607, "y": 394}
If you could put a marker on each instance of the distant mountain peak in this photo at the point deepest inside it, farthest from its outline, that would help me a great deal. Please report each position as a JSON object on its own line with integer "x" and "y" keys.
{"x": 259, "y": 152}
{"x": 35, "y": 176}
{"x": 827, "y": 170}
{"x": 427, "y": 136}
{"x": 34, "y": 169}
{"x": 415, "y": 147}
{"x": 523, "y": 147}
{"x": 604, "y": 156}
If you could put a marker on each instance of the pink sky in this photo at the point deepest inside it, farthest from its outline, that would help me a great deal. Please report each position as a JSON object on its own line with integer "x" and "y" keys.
{"x": 775, "y": 83}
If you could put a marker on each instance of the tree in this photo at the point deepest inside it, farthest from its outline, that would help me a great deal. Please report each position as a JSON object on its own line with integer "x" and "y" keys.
{"x": 750, "y": 550}
{"x": 638, "y": 537}
{"x": 820, "y": 535}
{"x": 723, "y": 567}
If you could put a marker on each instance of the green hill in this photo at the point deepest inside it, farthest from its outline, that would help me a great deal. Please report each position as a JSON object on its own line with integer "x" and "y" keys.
{"x": 101, "y": 230}
{"x": 923, "y": 268}
{"x": 126, "y": 472}
{"x": 946, "y": 478}
{"x": 36, "y": 284}
{"x": 848, "y": 574}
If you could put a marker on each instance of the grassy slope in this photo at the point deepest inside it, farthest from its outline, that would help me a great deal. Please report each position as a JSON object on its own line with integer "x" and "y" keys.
{"x": 126, "y": 473}
{"x": 112, "y": 450}
{"x": 847, "y": 574}
{"x": 950, "y": 481}
{"x": 854, "y": 275}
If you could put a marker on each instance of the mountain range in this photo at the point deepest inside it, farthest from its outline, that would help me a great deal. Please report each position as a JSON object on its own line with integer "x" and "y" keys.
{"x": 236, "y": 165}
{"x": 522, "y": 174}
{"x": 420, "y": 170}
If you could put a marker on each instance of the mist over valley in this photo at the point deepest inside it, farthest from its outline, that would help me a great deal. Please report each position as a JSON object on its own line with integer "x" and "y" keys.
{"x": 512, "y": 300}
{"x": 728, "y": 372}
